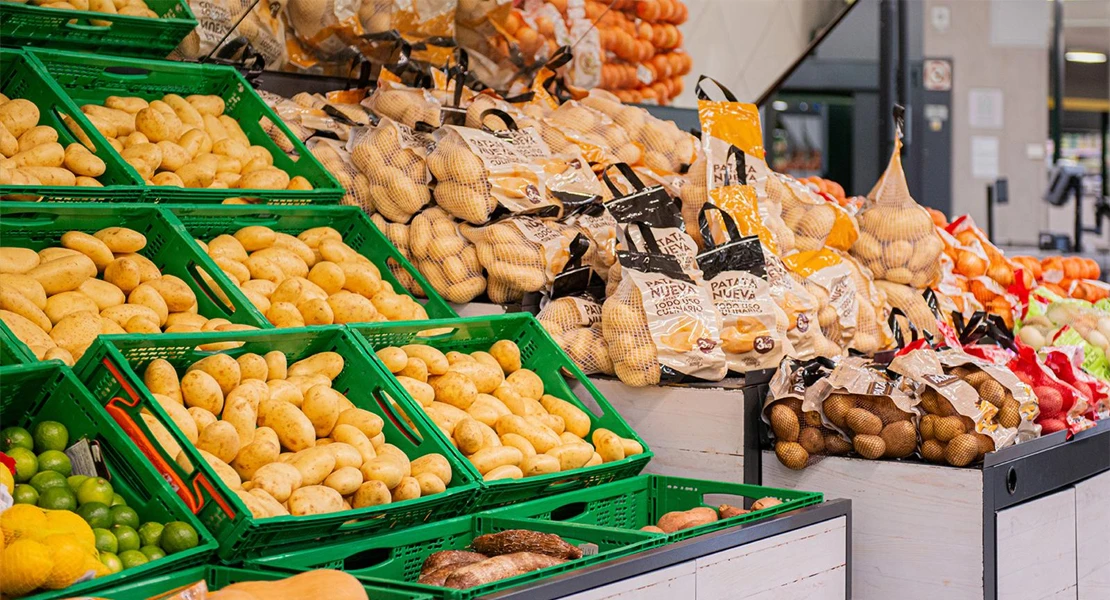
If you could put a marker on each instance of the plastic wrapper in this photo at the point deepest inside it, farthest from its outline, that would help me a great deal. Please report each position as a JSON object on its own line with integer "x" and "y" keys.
{"x": 1067, "y": 364}
{"x": 337, "y": 161}
{"x": 477, "y": 116}
{"x": 815, "y": 222}
{"x": 290, "y": 113}
{"x": 444, "y": 257}
{"x": 503, "y": 41}
{"x": 753, "y": 327}
{"x": 801, "y": 436}
{"x": 264, "y": 29}
{"x": 1062, "y": 406}
{"x": 574, "y": 322}
{"x": 659, "y": 323}
{"x": 478, "y": 172}
{"x": 406, "y": 105}
{"x": 830, "y": 280}
{"x": 398, "y": 235}
{"x": 667, "y": 149}
{"x": 801, "y": 308}
{"x": 897, "y": 239}
{"x": 520, "y": 254}
{"x": 392, "y": 157}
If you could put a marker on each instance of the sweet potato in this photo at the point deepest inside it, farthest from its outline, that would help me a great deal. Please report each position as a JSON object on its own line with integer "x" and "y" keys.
{"x": 521, "y": 540}
{"x": 498, "y": 568}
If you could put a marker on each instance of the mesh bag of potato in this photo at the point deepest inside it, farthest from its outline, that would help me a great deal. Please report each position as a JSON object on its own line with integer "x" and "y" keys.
{"x": 659, "y": 322}
{"x": 816, "y": 222}
{"x": 326, "y": 29}
{"x": 398, "y": 235}
{"x": 290, "y": 113}
{"x": 264, "y": 27}
{"x": 873, "y": 331}
{"x": 799, "y": 426}
{"x": 337, "y": 161}
{"x": 520, "y": 254}
{"x": 872, "y": 410}
{"x": 594, "y": 220}
{"x": 912, "y": 304}
{"x": 753, "y": 327}
{"x": 831, "y": 281}
{"x": 667, "y": 149}
{"x": 801, "y": 309}
{"x": 445, "y": 257}
{"x": 897, "y": 239}
{"x": 404, "y": 104}
{"x": 600, "y": 139}
{"x": 392, "y": 157}
{"x": 477, "y": 172}
{"x": 477, "y": 113}
{"x": 574, "y": 322}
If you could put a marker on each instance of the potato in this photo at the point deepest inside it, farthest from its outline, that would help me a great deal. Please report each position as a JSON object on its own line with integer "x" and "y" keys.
{"x": 445, "y": 415}
{"x": 17, "y": 260}
{"x": 127, "y": 105}
{"x": 76, "y": 332}
{"x": 516, "y": 403}
{"x": 314, "y": 465}
{"x": 27, "y": 287}
{"x": 420, "y": 391}
{"x": 179, "y": 297}
{"x": 201, "y": 417}
{"x": 145, "y": 295}
{"x": 507, "y": 354}
{"x": 255, "y": 507}
{"x": 434, "y": 359}
{"x": 269, "y": 502}
{"x": 526, "y": 383}
{"x": 397, "y": 455}
{"x": 179, "y": 416}
{"x": 279, "y": 479}
{"x": 631, "y": 447}
{"x": 571, "y": 456}
{"x": 541, "y": 438}
{"x": 11, "y": 300}
{"x": 305, "y": 383}
{"x": 9, "y": 145}
{"x": 63, "y": 274}
{"x": 27, "y": 332}
{"x": 265, "y": 179}
{"x": 207, "y": 105}
{"x": 468, "y": 436}
{"x": 407, "y": 489}
{"x": 394, "y": 359}
{"x": 345, "y": 480}
{"x": 328, "y": 275}
{"x": 384, "y": 469}
{"x": 123, "y": 273}
{"x": 53, "y": 252}
{"x": 50, "y": 175}
{"x": 80, "y": 161}
{"x": 18, "y": 116}
{"x": 487, "y": 409}
{"x": 552, "y": 422}
{"x": 328, "y": 364}
{"x": 569, "y": 438}
{"x": 241, "y": 414}
{"x": 365, "y": 421}
{"x": 352, "y": 436}
{"x": 352, "y": 308}
{"x": 291, "y": 425}
{"x": 520, "y": 443}
{"x": 503, "y": 472}
{"x": 104, "y": 294}
{"x": 488, "y": 459}
{"x": 371, "y": 493}
{"x": 432, "y": 464}
{"x": 252, "y": 391}
{"x": 50, "y": 154}
{"x": 147, "y": 269}
{"x": 540, "y": 464}
{"x": 430, "y": 484}
{"x": 314, "y": 500}
{"x": 415, "y": 369}
{"x": 276, "y": 365}
{"x": 40, "y": 134}
{"x": 345, "y": 454}
{"x": 254, "y": 456}
{"x": 321, "y": 406}
{"x": 156, "y": 125}
{"x": 455, "y": 389}
{"x": 286, "y": 392}
{"x": 139, "y": 324}
{"x": 575, "y": 419}
{"x": 486, "y": 378}
{"x": 222, "y": 469}
{"x": 594, "y": 460}
{"x": 252, "y": 366}
{"x": 200, "y": 389}
{"x": 608, "y": 445}
{"x": 220, "y": 439}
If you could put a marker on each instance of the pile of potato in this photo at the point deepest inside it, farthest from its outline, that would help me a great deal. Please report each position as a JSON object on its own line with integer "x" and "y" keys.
{"x": 282, "y": 439}
{"x": 59, "y": 299}
{"x": 130, "y": 8}
{"x": 187, "y": 142}
{"x": 32, "y": 154}
{"x": 948, "y": 436}
{"x": 311, "y": 279}
{"x": 497, "y": 414}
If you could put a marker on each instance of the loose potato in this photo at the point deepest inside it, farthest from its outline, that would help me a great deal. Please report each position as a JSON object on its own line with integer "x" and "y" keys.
{"x": 222, "y": 469}
{"x": 394, "y": 359}
{"x": 345, "y": 455}
{"x": 291, "y": 425}
{"x": 276, "y": 365}
{"x": 203, "y": 418}
{"x": 416, "y": 369}
{"x": 433, "y": 464}
{"x": 221, "y": 440}
{"x": 314, "y": 500}
{"x": 487, "y": 409}
{"x": 430, "y": 484}
{"x": 314, "y": 465}
{"x": 29, "y": 288}
{"x": 575, "y": 419}
{"x": 572, "y": 456}
{"x": 80, "y": 161}
{"x": 63, "y": 274}
{"x": 321, "y": 406}
{"x": 608, "y": 444}
{"x": 278, "y": 479}
{"x": 503, "y": 472}
{"x": 352, "y": 308}
{"x": 269, "y": 502}
{"x": 468, "y": 436}
{"x": 255, "y": 507}
{"x": 76, "y": 332}
{"x": 200, "y": 389}
{"x": 526, "y": 383}
{"x": 242, "y": 413}
{"x": 488, "y": 459}
{"x": 435, "y": 360}
{"x": 17, "y": 260}
{"x": 328, "y": 364}
{"x": 540, "y": 464}
{"x": 345, "y": 480}
{"x": 18, "y": 116}
{"x": 252, "y": 366}
{"x": 486, "y": 378}
{"x": 407, "y": 489}
{"x": 104, "y": 294}
{"x": 383, "y": 469}
{"x": 455, "y": 389}
{"x": 13, "y": 301}
{"x": 254, "y": 456}
{"x": 123, "y": 273}
{"x": 541, "y": 438}
{"x": 371, "y": 493}
{"x": 554, "y": 423}
{"x": 178, "y": 295}
{"x": 28, "y": 333}
{"x": 352, "y": 436}
{"x": 365, "y": 421}
{"x": 445, "y": 415}
{"x": 145, "y": 295}
{"x": 507, "y": 355}
{"x": 179, "y": 416}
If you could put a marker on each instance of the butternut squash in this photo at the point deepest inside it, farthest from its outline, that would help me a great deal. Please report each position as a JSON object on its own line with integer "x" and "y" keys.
{"x": 336, "y": 585}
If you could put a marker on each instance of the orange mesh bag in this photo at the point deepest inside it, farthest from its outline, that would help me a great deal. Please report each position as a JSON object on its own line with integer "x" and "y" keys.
{"x": 404, "y": 104}
{"x": 337, "y": 161}
{"x": 801, "y": 309}
{"x": 830, "y": 280}
{"x": 392, "y": 157}
{"x": 521, "y": 254}
{"x": 753, "y": 327}
{"x": 398, "y": 235}
{"x": 815, "y": 222}
{"x": 897, "y": 240}
{"x": 667, "y": 149}
{"x": 801, "y": 436}
{"x": 660, "y": 323}
{"x": 989, "y": 273}
{"x": 444, "y": 257}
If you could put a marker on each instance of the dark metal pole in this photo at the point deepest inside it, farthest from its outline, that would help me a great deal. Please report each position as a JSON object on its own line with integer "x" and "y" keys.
{"x": 888, "y": 85}
{"x": 990, "y": 212}
{"x": 1105, "y": 154}
{"x": 904, "y": 72}
{"x": 1056, "y": 69}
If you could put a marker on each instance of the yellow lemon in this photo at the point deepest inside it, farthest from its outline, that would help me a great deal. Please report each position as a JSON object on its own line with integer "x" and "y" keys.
{"x": 21, "y": 520}
{"x": 6, "y": 478}
{"x": 24, "y": 567}
{"x": 70, "y": 560}
{"x": 64, "y": 521}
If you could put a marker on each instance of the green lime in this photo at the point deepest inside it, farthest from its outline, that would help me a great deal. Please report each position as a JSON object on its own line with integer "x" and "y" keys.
{"x": 110, "y": 560}
{"x": 95, "y": 489}
{"x": 105, "y": 541}
{"x": 117, "y": 500}
{"x": 125, "y": 515}
{"x": 25, "y": 494}
{"x": 152, "y": 552}
{"x": 26, "y": 464}
{"x": 15, "y": 437}
{"x": 75, "y": 481}
{"x": 57, "y": 498}
{"x": 54, "y": 460}
{"x": 150, "y": 533}
{"x": 178, "y": 536}
{"x": 132, "y": 559}
{"x": 50, "y": 435}
{"x": 127, "y": 537}
{"x": 45, "y": 480}
{"x": 96, "y": 514}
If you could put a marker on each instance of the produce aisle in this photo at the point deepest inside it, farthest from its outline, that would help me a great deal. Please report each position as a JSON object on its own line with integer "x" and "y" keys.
{"x": 461, "y": 320}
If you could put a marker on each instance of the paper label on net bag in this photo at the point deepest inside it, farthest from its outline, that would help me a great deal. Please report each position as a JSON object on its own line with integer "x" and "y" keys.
{"x": 751, "y": 323}
{"x": 555, "y": 247}
{"x": 515, "y": 182}
{"x": 589, "y": 312}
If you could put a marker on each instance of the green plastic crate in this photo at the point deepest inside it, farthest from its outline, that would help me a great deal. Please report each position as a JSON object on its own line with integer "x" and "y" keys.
{"x": 50, "y": 391}
{"x": 90, "y": 79}
{"x": 38, "y": 225}
{"x": 20, "y": 77}
{"x": 25, "y": 25}
{"x": 396, "y": 558}
{"x": 112, "y": 369}
{"x": 218, "y": 577}
{"x": 541, "y": 354}
{"x": 640, "y": 501}
{"x": 358, "y": 231}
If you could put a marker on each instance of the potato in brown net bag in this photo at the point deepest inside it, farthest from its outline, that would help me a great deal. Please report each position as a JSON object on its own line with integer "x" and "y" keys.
{"x": 872, "y": 410}
{"x": 520, "y": 254}
{"x": 444, "y": 257}
{"x": 398, "y": 235}
{"x": 392, "y": 156}
{"x": 403, "y": 104}
{"x": 912, "y": 304}
{"x": 337, "y": 161}
{"x": 801, "y": 436}
{"x": 667, "y": 149}
{"x": 574, "y": 322}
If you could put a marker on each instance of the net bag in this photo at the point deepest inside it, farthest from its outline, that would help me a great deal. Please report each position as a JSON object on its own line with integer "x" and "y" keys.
{"x": 912, "y": 304}
{"x": 801, "y": 310}
{"x": 800, "y": 434}
{"x": 403, "y": 104}
{"x": 667, "y": 149}
{"x": 337, "y": 161}
{"x": 815, "y": 222}
{"x": 520, "y": 254}
{"x": 398, "y": 235}
{"x": 575, "y": 325}
{"x": 594, "y": 220}
{"x": 444, "y": 257}
{"x": 868, "y": 408}
{"x": 830, "y": 280}
{"x": 600, "y": 139}
{"x": 391, "y": 156}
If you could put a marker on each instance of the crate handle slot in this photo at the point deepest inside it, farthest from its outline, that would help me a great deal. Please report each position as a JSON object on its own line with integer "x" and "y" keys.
{"x": 140, "y": 439}
{"x": 564, "y": 486}
{"x": 259, "y": 219}
{"x": 73, "y": 123}
{"x": 367, "y": 558}
{"x": 88, "y": 27}
{"x": 125, "y": 73}
{"x": 28, "y": 219}
{"x": 589, "y": 402}
{"x": 390, "y": 411}
{"x": 567, "y": 512}
{"x": 202, "y": 283}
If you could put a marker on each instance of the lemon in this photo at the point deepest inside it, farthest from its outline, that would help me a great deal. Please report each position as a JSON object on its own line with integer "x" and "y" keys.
{"x": 70, "y": 560}
{"x": 6, "y": 478}
{"x": 64, "y": 521}
{"x": 24, "y": 567}
{"x": 20, "y": 521}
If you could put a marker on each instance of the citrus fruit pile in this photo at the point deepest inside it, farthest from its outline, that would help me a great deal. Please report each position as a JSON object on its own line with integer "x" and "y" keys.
{"x": 65, "y": 527}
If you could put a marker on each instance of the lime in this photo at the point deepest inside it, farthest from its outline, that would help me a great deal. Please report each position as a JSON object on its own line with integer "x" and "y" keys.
{"x": 54, "y": 460}
{"x": 25, "y": 494}
{"x": 110, "y": 560}
{"x": 105, "y": 541}
{"x": 127, "y": 537}
{"x": 125, "y": 515}
{"x": 50, "y": 435}
{"x": 75, "y": 481}
{"x": 26, "y": 463}
{"x": 132, "y": 559}
{"x": 150, "y": 533}
{"x": 95, "y": 489}
{"x": 152, "y": 552}
{"x": 45, "y": 480}
{"x": 57, "y": 498}
{"x": 15, "y": 437}
{"x": 117, "y": 500}
{"x": 96, "y": 514}
{"x": 178, "y": 536}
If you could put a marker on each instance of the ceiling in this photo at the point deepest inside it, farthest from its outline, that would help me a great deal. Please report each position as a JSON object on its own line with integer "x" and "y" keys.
{"x": 1087, "y": 25}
